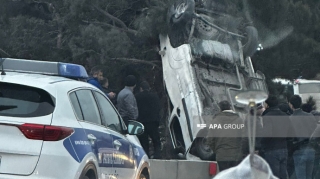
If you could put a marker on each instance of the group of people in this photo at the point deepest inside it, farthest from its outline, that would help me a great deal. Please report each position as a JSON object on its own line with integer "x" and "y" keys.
{"x": 286, "y": 137}
{"x": 143, "y": 107}
{"x": 286, "y": 134}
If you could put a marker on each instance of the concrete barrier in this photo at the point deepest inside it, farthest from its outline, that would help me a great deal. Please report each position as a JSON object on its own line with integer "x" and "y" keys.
{"x": 182, "y": 169}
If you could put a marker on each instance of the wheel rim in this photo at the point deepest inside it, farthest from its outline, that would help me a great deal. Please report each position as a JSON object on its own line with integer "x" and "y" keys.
{"x": 180, "y": 9}
{"x": 142, "y": 176}
{"x": 204, "y": 145}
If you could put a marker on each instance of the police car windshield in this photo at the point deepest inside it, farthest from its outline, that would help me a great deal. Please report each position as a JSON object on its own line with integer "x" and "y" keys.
{"x": 23, "y": 101}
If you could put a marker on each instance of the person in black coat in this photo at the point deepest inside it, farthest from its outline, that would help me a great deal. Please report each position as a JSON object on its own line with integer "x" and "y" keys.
{"x": 149, "y": 108}
{"x": 276, "y": 125}
{"x": 303, "y": 125}
{"x": 105, "y": 88}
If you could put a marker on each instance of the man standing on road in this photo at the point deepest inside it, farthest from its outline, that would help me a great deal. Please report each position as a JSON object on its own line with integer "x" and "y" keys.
{"x": 126, "y": 102}
{"x": 149, "y": 109}
{"x": 276, "y": 126}
{"x": 227, "y": 144}
{"x": 303, "y": 125}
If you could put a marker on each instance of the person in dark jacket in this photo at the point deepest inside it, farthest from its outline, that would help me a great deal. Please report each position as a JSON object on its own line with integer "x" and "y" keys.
{"x": 226, "y": 143}
{"x": 126, "y": 102}
{"x": 303, "y": 125}
{"x": 276, "y": 125}
{"x": 315, "y": 138}
{"x": 149, "y": 109}
{"x": 96, "y": 77}
{"x": 284, "y": 107}
{"x": 105, "y": 88}
{"x": 98, "y": 80}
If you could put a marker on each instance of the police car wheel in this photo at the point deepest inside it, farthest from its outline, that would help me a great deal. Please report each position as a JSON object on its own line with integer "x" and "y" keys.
{"x": 142, "y": 176}
{"x": 89, "y": 172}
{"x": 144, "y": 172}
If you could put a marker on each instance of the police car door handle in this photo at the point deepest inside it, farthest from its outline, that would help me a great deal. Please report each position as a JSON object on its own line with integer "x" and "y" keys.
{"x": 91, "y": 137}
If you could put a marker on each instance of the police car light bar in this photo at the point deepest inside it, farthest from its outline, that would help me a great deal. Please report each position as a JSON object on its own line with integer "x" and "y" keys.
{"x": 45, "y": 67}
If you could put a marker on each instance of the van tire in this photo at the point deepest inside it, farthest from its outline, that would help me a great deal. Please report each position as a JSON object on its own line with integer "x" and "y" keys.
{"x": 203, "y": 151}
{"x": 180, "y": 11}
{"x": 252, "y": 41}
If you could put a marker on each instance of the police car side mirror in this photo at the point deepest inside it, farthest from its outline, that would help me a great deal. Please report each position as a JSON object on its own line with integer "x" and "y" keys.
{"x": 135, "y": 128}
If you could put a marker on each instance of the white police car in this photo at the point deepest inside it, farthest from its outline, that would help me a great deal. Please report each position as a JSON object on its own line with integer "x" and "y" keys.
{"x": 56, "y": 127}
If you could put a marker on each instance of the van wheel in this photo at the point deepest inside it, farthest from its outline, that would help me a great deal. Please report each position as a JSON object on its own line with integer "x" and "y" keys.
{"x": 181, "y": 11}
{"x": 251, "y": 43}
{"x": 200, "y": 147}
{"x": 179, "y": 20}
{"x": 204, "y": 152}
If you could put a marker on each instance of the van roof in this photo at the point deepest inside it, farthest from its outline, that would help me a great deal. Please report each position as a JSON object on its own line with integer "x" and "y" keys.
{"x": 282, "y": 81}
{"x": 297, "y": 81}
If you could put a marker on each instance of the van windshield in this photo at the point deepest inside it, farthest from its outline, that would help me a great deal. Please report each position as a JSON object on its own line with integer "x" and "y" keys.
{"x": 24, "y": 101}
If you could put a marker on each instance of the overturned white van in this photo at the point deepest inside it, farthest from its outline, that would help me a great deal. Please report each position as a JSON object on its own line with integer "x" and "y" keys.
{"x": 205, "y": 59}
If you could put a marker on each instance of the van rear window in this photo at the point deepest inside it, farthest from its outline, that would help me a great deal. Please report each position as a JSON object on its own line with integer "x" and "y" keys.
{"x": 24, "y": 101}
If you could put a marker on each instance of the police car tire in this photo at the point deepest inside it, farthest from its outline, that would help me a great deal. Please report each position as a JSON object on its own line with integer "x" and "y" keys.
{"x": 87, "y": 168}
{"x": 144, "y": 172}
{"x": 142, "y": 176}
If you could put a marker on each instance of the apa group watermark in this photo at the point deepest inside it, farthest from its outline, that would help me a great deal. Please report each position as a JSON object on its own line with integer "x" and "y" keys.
{"x": 221, "y": 126}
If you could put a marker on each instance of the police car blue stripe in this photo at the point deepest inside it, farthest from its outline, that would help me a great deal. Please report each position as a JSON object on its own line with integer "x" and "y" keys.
{"x": 78, "y": 143}
{"x": 67, "y": 144}
{"x": 127, "y": 156}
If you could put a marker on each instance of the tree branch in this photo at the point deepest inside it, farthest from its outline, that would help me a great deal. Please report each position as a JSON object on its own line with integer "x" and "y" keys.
{"x": 1, "y": 50}
{"x": 85, "y": 51}
{"x": 133, "y": 60}
{"x": 115, "y": 19}
{"x": 131, "y": 31}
